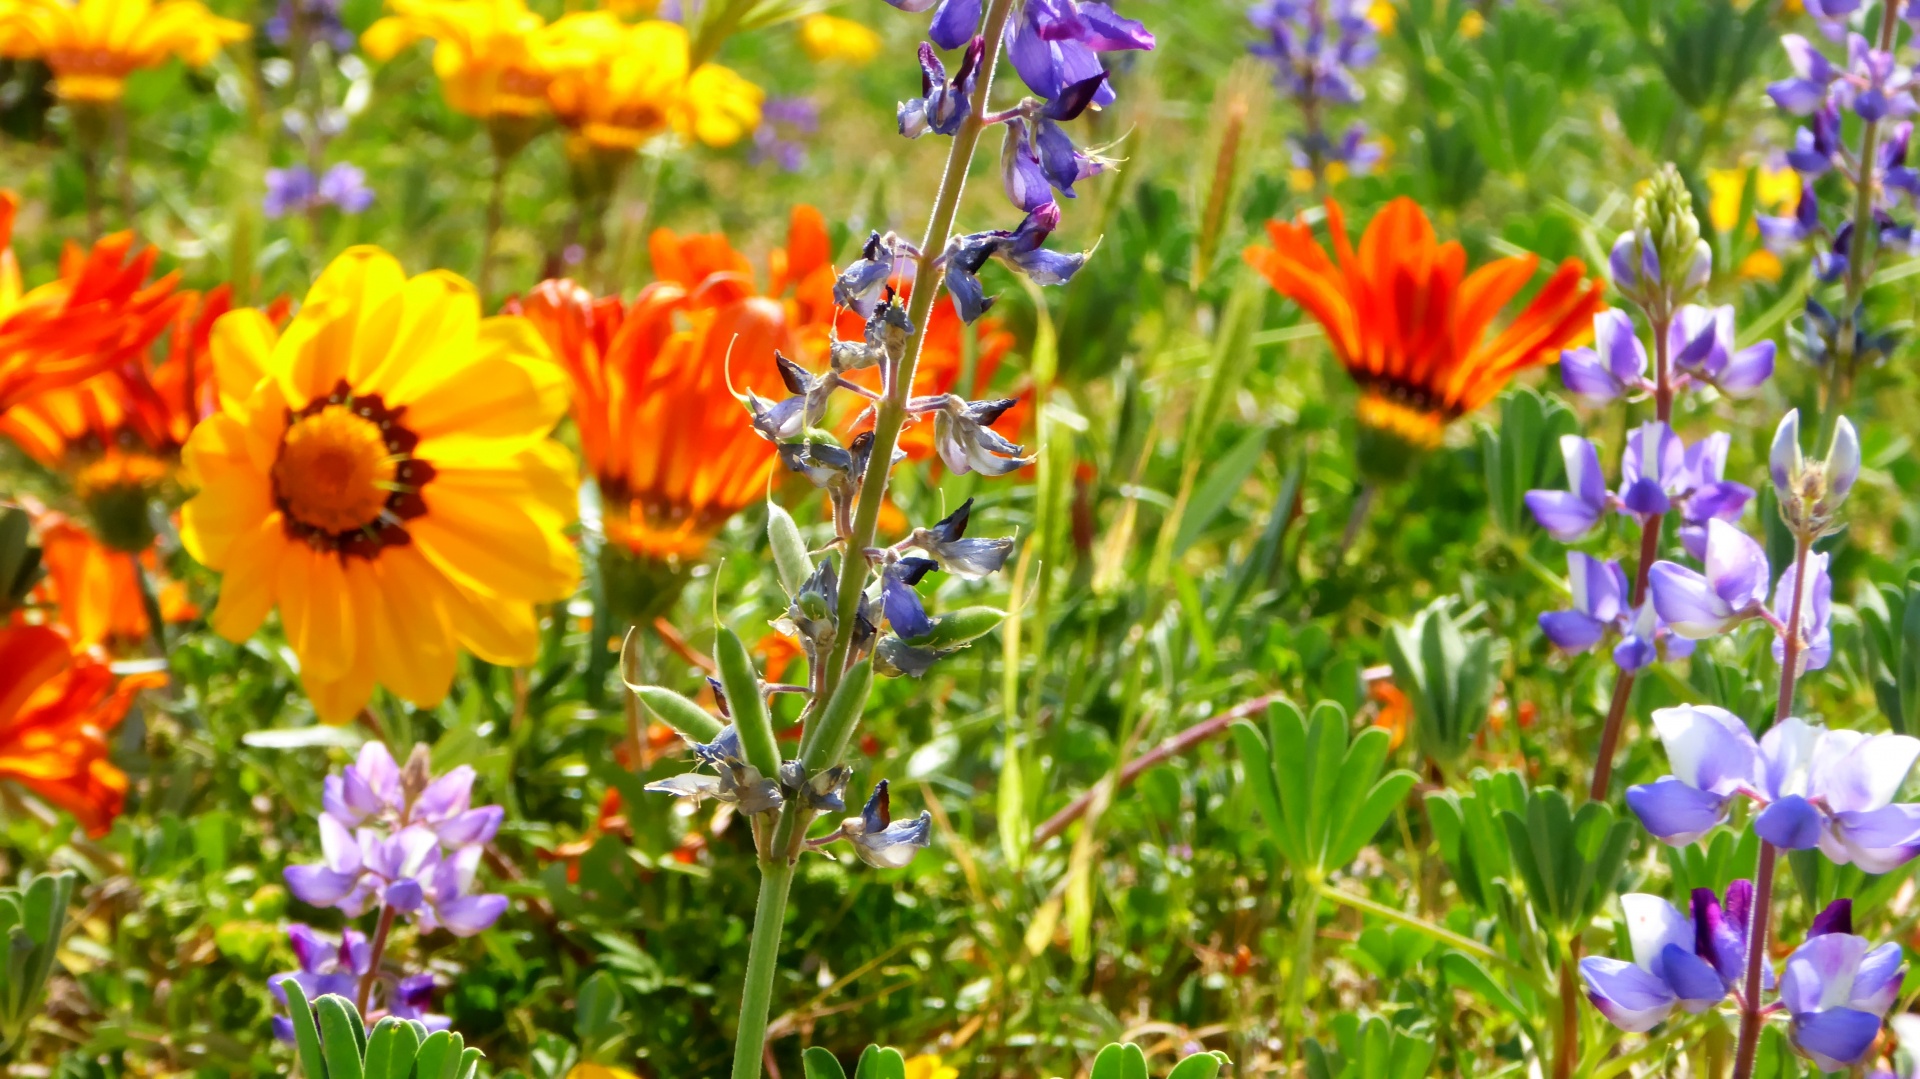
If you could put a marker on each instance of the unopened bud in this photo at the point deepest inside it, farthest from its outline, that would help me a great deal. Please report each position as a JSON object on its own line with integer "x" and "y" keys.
{"x": 418, "y": 773}
{"x": 1812, "y": 492}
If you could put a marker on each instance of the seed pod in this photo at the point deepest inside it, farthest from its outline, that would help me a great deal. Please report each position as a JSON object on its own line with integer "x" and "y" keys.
{"x": 790, "y": 555}
{"x": 692, "y": 721}
{"x": 958, "y": 627}
{"x": 748, "y": 707}
{"x": 830, "y": 734}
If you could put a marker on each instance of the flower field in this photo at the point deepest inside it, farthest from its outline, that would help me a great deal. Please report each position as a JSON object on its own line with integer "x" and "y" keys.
{"x": 934, "y": 539}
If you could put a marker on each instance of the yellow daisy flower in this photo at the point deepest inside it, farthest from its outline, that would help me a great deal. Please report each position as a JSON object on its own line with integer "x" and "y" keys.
{"x": 928, "y": 1066}
{"x": 616, "y": 86}
{"x": 382, "y": 474}
{"x": 482, "y": 52}
{"x": 93, "y": 45}
{"x": 828, "y": 38}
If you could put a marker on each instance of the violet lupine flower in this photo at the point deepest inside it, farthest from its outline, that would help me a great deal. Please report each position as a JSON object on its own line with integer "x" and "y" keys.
{"x": 1636, "y": 270}
{"x": 322, "y": 23}
{"x": 946, "y": 544}
{"x": 1733, "y": 588}
{"x": 1658, "y": 474}
{"x": 296, "y": 190}
{"x": 1816, "y": 147}
{"x": 1781, "y": 234}
{"x": 1816, "y": 788}
{"x": 1816, "y": 608}
{"x": 1615, "y": 367}
{"x": 942, "y": 104}
{"x": 1599, "y": 604}
{"x": 1813, "y": 77}
{"x": 1836, "y": 988}
{"x": 1667, "y": 971}
{"x": 1019, "y": 250}
{"x": 1056, "y": 44}
{"x": 785, "y": 125}
{"x": 878, "y": 839}
{"x": 1876, "y": 84}
{"x": 905, "y": 613}
{"x": 401, "y": 840}
{"x": 1569, "y": 515}
{"x": 1701, "y": 342}
{"x": 328, "y": 966}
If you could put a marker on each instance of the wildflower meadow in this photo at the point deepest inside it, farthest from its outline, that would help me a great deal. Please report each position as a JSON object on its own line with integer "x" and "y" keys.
{"x": 959, "y": 539}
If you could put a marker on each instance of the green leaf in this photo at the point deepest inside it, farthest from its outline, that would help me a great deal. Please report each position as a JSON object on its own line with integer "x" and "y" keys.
{"x": 391, "y": 1048}
{"x": 1198, "y": 1066}
{"x": 306, "y": 1036}
{"x": 1119, "y": 1061}
{"x": 1258, "y": 762}
{"x": 1225, "y": 476}
{"x": 341, "y": 1040}
{"x": 1366, "y": 821}
{"x": 820, "y": 1064}
{"x": 438, "y": 1056}
{"x": 878, "y": 1062}
{"x": 1461, "y": 970}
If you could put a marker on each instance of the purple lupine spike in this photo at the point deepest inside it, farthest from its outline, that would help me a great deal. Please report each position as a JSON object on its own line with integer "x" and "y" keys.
{"x": 1651, "y": 470}
{"x": 1701, "y": 341}
{"x": 1720, "y": 932}
{"x": 1813, "y": 75}
{"x": 1706, "y": 494}
{"x": 1712, "y": 757}
{"x": 1816, "y": 635}
{"x": 1599, "y": 604}
{"x": 1836, "y": 988}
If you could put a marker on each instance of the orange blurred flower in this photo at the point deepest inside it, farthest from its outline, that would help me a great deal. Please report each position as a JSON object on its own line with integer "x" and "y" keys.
{"x": 95, "y": 589}
{"x": 100, "y": 312}
{"x": 118, "y": 434}
{"x": 1393, "y": 712}
{"x": 943, "y": 368}
{"x": 670, "y": 447}
{"x": 1410, "y": 325}
{"x": 56, "y": 707}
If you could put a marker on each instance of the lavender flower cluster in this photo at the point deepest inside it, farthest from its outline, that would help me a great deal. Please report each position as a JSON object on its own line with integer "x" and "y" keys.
{"x": 404, "y": 842}
{"x": 1316, "y": 47}
{"x": 297, "y": 190}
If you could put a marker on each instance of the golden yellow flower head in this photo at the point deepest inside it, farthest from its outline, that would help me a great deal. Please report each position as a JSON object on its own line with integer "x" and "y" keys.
{"x": 828, "y": 38}
{"x": 616, "y": 86}
{"x": 382, "y": 474}
{"x": 483, "y": 52}
{"x": 1773, "y": 191}
{"x": 93, "y": 45}
{"x": 928, "y": 1066}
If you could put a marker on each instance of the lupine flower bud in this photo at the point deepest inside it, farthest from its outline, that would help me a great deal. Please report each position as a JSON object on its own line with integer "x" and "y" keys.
{"x": 1663, "y": 261}
{"x": 1811, "y": 493}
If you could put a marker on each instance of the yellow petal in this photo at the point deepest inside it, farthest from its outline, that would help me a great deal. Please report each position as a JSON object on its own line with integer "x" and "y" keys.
{"x": 316, "y": 613}
{"x": 413, "y": 647}
{"x": 354, "y": 305}
{"x": 502, "y": 632}
{"x": 242, "y": 346}
{"x": 510, "y": 389}
{"x": 499, "y": 550}
{"x": 439, "y": 314}
{"x": 250, "y": 586}
{"x": 233, "y": 496}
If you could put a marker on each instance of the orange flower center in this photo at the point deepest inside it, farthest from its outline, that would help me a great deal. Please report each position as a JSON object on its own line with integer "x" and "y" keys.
{"x": 114, "y": 472}
{"x": 334, "y": 471}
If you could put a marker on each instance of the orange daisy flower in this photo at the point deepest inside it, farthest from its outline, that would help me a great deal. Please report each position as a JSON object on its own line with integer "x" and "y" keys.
{"x": 101, "y": 311}
{"x": 1410, "y": 324}
{"x": 670, "y": 447}
{"x": 119, "y": 433}
{"x": 95, "y": 589}
{"x": 56, "y": 707}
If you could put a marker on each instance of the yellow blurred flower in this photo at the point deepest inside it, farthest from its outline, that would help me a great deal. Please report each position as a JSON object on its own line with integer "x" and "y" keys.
{"x": 1472, "y": 24}
{"x": 1383, "y": 15}
{"x": 599, "y": 1071}
{"x": 93, "y": 45}
{"x": 1761, "y": 265}
{"x": 928, "y": 1066}
{"x": 616, "y": 86}
{"x": 1773, "y": 191}
{"x": 825, "y": 38}
{"x": 382, "y": 474}
{"x": 482, "y": 52}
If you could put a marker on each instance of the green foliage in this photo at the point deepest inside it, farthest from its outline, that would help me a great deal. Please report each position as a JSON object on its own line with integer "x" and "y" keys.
{"x": 1323, "y": 796}
{"x": 20, "y": 567}
{"x": 1890, "y": 614}
{"x": 1447, "y": 671}
{"x": 32, "y": 917}
{"x": 1370, "y": 1049}
{"x": 1115, "y": 1061}
{"x": 1523, "y": 454}
{"x": 332, "y": 1043}
{"x": 1468, "y": 829}
{"x": 1569, "y": 862}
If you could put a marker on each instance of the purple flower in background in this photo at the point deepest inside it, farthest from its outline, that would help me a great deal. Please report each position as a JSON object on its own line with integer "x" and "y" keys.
{"x": 1816, "y": 147}
{"x": 785, "y": 124}
{"x": 1701, "y": 342}
{"x": 1667, "y": 969}
{"x": 403, "y": 840}
{"x": 1733, "y": 588}
{"x": 1783, "y": 233}
{"x": 1615, "y": 367}
{"x": 1836, "y": 987}
{"x": 1652, "y": 470}
{"x": 333, "y": 967}
{"x": 1705, "y": 494}
{"x": 1816, "y": 636}
{"x": 1876, "y": 84}
{"x": 320, "y": 18}
{"x": 902, "y": 604}
{"x": 1813, "y": 76}
{"x": 1315, "y": 47}
{"x": 295, "y": 190}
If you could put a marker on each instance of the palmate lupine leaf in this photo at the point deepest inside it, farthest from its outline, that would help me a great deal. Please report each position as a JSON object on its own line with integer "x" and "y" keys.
{"x": 330, "y": 1042}
{"x": 1322, "y": 794}
{"x": 1375, "y": 1049}
{"x": 1520, "y": 455}
{"x": 1568, "y": 861}
{"x": 1448, "y": 674}
{"x": 32, "y": 918}
{"x": 1890, "y": 614}
{"x": 1472, "y": 841}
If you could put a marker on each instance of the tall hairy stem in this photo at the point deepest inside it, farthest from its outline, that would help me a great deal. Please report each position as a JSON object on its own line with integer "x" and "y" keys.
{"x": 776, "y": 866}
{"x": 1649, "y": 550}
{"x": 1760, "y": 923}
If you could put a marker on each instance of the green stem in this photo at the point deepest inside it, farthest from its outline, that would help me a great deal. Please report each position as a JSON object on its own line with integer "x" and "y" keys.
{"x": 763, "y": 953}
{"x": 1407, "y": 921}
{"x": 1306, "y": 930}
{"x": 892, "y": 411}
